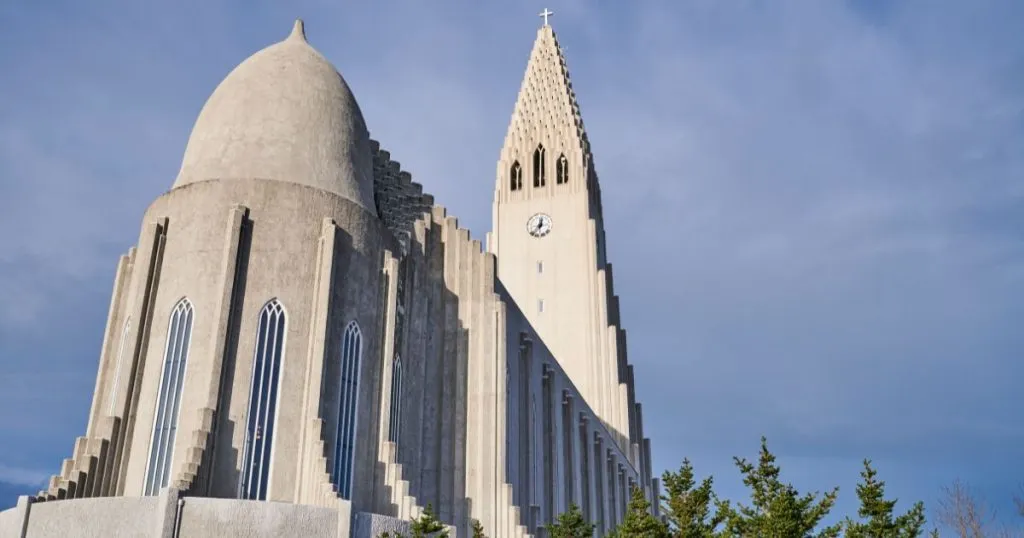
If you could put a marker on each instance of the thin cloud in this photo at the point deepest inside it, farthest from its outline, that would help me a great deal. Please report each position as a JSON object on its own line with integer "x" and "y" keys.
{"x": 23, "y": 477}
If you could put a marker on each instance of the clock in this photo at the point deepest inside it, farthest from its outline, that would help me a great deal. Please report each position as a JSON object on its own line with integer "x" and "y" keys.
{"x": 539, "y": 225}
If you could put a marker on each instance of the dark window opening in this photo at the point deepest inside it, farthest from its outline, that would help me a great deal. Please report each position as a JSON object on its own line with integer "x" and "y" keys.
{"x": 562, "y": 170}
{"x": 538, "y": 166}
{"x": 516, "y": 176}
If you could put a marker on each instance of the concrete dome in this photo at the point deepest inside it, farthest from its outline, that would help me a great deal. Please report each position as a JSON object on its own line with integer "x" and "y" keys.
{"x": 285, "y": 114}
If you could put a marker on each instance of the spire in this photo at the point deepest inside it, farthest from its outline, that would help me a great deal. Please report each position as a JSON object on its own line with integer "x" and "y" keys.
{"x": 298, "y": 30}
{"x": 546, "y": 107}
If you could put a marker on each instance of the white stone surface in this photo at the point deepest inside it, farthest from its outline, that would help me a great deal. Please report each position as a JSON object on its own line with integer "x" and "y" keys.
{"x": 285, "y": 114}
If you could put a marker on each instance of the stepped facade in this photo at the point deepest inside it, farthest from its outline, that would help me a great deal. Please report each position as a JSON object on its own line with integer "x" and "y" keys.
{"x": 304, "y": 343}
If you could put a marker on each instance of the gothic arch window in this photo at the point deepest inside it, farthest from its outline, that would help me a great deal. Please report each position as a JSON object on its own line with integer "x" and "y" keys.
{"x": 538, "y": 166}
{"x": 263, "y": 396}
{"x": 515, "y": 175}
{"x": 117, "y": 368}
{"x": 344, "y": 444}
{"x": 562, "y": 170}
{"x": 172, "y": 377}
{"x": 396, "y": 400}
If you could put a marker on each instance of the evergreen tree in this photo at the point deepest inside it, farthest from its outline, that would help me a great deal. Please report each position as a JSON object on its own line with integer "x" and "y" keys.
{"x": 427, "y": 525}
{"x": 877, "y": 512}
{"x": 478, "y": 530}
{"x": 777, "y": 510}
{"x": 571, "y": 524}
{"x": 687, "y": 506}
{"x": 639, "y": 522}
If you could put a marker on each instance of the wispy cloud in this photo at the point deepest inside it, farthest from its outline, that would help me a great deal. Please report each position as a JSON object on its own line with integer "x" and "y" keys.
{"x": 23, "y": 477}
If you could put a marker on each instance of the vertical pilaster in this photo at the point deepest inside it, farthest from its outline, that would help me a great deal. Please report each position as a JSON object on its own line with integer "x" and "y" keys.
{"x": 433, "y": 358}
{"x": 601, "y": 513}
{"x": 527, "y": 435}
{"x": 569, "y": 467}
{"x": 586, "y": 495}
{"x": 111, "y": 337}
{"x": 145, "y": 284}
{"x": 613, "y": 489}
{"x": 421, "y": 326}
{"x": 496, "y": 451}
{"x": 549, "y": 452}
{"x": 387, "y": 347}
{"x": 623, "y": 492}
{"x": 224, "y": 317}
{"x": 449, "y": 358}
{"x": 23, "y": 509}
{"x": 306, "y": 474}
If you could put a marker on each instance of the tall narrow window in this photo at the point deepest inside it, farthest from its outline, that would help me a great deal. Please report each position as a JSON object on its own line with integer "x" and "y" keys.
{"x": 515, "y": 175}
{"x": 117, "y": 368}
{"x": 562, "y": 170}
{"x": 538, "y": 166}
{"x": 396, "y": 400}
{"x": 172, "y": 377}
{"x": 348, "y": 399}
{"x": 266, "y": 375}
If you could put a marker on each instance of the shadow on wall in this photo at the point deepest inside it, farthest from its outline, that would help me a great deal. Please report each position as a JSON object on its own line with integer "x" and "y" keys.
{"x": 223, "y": 450}
{"x": 435, "y": 346}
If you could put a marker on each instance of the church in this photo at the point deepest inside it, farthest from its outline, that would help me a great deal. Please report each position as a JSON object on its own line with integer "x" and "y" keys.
{"x": 303, "y": 343}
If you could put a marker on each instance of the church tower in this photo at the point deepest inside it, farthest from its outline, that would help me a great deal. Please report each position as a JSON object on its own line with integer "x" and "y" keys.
{"x": 303, "y": 343}
{"x": 548, "y": 235}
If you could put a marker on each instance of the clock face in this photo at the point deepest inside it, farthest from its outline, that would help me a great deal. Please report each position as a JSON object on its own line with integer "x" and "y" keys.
{"x": 539, "y": 225}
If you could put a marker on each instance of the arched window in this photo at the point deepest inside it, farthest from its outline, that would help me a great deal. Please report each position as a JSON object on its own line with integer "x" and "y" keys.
{"x": 263, "y": 393}
{"x": 396, "y": 400}
{"x": 562, "y": 170}
{"x": 515, "y": 175}
{"x": 172, "y": 377}
{"x": 538, "y": 166}
{"x": 348, "y": 399}
{"x": 117, "y": 368}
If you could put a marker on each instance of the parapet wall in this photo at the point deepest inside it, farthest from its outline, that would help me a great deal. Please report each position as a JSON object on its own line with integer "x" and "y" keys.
{"x": 169, "y": 515}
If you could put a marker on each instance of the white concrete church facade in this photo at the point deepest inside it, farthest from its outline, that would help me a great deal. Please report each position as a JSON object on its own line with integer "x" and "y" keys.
{"x": 303, "y": 344}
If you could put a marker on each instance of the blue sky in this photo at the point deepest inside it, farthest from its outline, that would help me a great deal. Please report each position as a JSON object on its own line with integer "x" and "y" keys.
{"x": 815, "y": 209}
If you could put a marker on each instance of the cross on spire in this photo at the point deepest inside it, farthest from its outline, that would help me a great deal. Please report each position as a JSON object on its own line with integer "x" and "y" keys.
{"x": 546, "y": 13}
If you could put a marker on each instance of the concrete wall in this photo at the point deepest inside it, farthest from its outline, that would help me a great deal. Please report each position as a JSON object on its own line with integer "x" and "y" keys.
{"x": 549, "y": 427}
{"x": 228, "y": 517}
{"x": 170, "y": 516}
{"x": 105, "y": 516}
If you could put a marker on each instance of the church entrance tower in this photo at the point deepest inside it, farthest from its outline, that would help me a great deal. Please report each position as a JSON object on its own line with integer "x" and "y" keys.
{"x": 548, "y": 236}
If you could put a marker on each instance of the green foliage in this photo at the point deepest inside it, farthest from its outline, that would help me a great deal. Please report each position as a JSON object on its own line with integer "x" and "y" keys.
{"x": 877, "y": 512}
{"x": 425, "y": 525}
{"x": 571, "y": 524}
{"x": 478, "y": 530}
{"x": 428, "y": 524}
{"x": 777, "y": 509}
{"x": 639, "y": 523}
{"x": 687, "y": 506}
